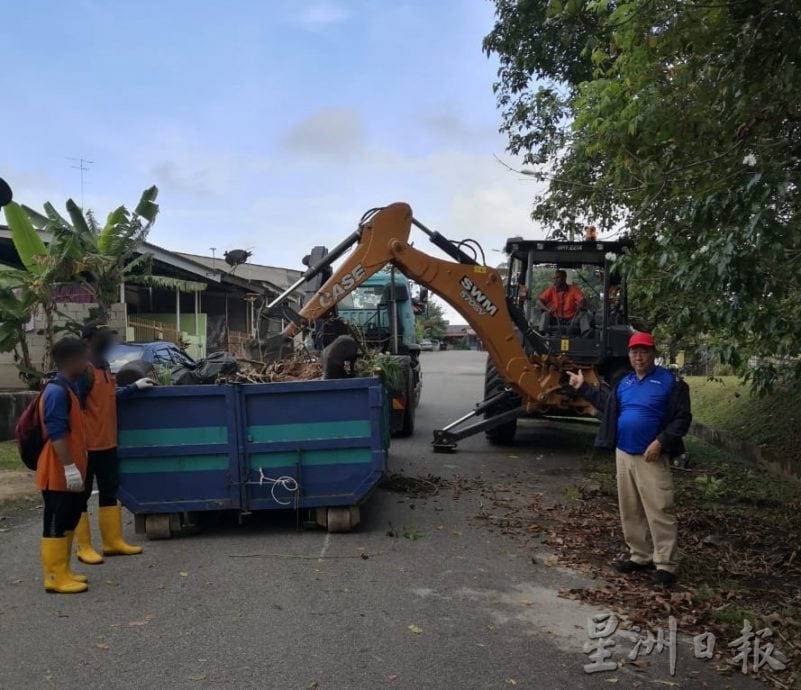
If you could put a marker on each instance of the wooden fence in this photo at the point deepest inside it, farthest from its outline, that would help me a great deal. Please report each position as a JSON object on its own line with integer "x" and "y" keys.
{"x": 146, "y": 331}
{"x": 237, "y": 343}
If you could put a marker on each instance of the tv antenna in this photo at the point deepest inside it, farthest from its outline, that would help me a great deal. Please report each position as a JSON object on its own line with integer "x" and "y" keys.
{"x": 81, "y": 164}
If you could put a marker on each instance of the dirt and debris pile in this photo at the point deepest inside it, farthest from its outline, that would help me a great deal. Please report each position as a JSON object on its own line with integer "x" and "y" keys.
{"x": 417, "y": 487}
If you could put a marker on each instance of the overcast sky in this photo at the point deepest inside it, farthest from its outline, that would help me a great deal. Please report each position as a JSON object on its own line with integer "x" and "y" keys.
{"x": 267, "y": 125}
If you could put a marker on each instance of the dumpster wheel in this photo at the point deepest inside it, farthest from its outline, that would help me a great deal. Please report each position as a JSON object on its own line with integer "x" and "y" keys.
{"x": 157, "y": 526}
{"x": 339, "y": 518}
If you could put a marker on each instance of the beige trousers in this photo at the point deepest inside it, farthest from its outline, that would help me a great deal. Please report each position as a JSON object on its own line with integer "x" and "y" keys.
{"x": 645, "y": 496}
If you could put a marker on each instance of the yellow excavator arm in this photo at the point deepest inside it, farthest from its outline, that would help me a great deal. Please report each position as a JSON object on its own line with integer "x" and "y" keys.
{"x": 473, "y": 290}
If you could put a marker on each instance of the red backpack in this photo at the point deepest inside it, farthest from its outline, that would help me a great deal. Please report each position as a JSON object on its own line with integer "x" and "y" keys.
{"x": 30, "y": 430}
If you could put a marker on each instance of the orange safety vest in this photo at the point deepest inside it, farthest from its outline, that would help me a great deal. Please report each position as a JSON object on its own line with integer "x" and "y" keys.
{"x": 101, "y": 410}
{"x": 564, "y": 303}
{"x": 49, "y": 469}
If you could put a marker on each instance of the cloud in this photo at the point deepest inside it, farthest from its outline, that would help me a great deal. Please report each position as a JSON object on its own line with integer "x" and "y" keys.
{"x": 330, "y": 133}
{"x": 446, "y": 127}
{"x": 320, "y": 14}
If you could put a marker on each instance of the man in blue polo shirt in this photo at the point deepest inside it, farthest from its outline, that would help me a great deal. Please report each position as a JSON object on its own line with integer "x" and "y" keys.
{"x": 644, "y": 421}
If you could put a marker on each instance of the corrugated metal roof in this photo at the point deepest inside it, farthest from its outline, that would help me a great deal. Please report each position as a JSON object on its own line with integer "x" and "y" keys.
{"x": 271, "y": 275}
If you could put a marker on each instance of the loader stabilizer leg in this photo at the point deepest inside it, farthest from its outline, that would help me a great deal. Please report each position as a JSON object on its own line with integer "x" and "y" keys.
{"x": 446, "y": 440}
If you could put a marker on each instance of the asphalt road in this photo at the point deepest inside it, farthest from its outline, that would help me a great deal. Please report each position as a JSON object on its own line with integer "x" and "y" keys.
{"x": 261, "y": 605}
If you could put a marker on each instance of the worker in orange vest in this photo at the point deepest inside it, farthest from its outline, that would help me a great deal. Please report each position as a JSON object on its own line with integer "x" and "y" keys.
{"x": 61, "y": 467}
{"x": 100, "y": 393}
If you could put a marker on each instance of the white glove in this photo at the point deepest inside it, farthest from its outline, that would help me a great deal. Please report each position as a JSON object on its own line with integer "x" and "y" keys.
{"x": 141, "y": 384}
{"x": 73, "y": 477}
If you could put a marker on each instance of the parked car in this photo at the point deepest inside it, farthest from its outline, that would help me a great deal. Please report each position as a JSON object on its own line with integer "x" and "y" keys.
{"x": 131, "y": 361}
{"x": 426, "y": 345}
{"x": 156, "y": 353}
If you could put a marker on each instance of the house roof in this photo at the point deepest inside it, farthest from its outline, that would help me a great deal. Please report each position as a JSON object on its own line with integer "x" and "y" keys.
{"x": 458, "y": 330}
{"x": 274, "y": 276}
{"x": 174, "y": 265}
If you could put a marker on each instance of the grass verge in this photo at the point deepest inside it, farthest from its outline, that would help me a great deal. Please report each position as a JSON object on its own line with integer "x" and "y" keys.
{"x": 773, "y": 422}
{"x": 9, "y": 459}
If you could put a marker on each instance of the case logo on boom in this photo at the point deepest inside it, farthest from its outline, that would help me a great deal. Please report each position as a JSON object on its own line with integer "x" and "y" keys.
{"x": 473, "y": 295}
{"x": 349, "y": 281}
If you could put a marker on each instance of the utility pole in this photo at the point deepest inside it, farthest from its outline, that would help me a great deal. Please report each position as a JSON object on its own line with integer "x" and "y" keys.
{"x": 82, "y": 164}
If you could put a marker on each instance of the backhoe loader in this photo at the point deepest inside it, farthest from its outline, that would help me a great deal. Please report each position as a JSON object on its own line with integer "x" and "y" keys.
{"x": 525, "y": 373}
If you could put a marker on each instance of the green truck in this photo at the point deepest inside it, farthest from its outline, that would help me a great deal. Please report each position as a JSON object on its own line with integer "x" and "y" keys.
{"x": 382, "y": 311}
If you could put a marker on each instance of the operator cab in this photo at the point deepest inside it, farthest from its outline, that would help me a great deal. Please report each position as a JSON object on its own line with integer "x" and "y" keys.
{"x": 589, "y": 321}
{"x": 369, "y": 308}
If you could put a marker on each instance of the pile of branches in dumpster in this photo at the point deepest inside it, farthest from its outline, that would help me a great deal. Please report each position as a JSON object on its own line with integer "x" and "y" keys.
{"x": 304, "y": 367}
{"x": 292, "y": 369}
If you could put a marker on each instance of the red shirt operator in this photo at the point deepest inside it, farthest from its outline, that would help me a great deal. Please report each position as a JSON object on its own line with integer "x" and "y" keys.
{"x": 561, "y": 299}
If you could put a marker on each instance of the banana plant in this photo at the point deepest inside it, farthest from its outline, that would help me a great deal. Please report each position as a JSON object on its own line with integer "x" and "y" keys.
{"x": 103, "y": 257}
{"x": 31, "y": 290}
{"x": 78, "y": 250}
{"x": 17, "y": 305}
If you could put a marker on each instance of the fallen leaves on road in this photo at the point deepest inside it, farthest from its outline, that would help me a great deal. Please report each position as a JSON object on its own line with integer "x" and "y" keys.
{"x": 102, "y": 645}
{"x": 183, "y": 573}
{"x": 391, "y": 677}
{"x": 754, "y": 572}
{"x": 197, "y": 676}
{"x": 639, "y": 664}
{"x": 416, "y": 629}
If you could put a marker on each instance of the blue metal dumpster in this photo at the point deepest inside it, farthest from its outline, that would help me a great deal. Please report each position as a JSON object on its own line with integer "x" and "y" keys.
{"x": 318, "y": 445}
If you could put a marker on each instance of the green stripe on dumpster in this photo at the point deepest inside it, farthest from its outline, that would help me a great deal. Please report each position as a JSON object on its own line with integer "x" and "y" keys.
{"x": 310, "y": 458}
{"x": 184, "y": 463}
{"x": 309, "y": 431}
{"x": 189, "y": 436}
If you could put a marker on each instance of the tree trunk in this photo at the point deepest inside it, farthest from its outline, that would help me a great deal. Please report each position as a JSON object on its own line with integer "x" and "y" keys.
{"x": 49, "y": 338}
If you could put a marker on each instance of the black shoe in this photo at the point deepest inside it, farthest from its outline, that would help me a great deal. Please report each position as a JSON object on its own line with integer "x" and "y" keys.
{"x": 629, "y": 566}
{"x": 664, "y": 578}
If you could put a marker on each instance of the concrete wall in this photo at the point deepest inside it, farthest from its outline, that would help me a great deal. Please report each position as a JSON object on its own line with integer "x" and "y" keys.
{"x": 11, "y": 407}
{"x": 9, "y": 378}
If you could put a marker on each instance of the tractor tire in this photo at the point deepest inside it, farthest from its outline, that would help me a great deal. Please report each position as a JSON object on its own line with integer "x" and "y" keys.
{"x": 494, "y": 383}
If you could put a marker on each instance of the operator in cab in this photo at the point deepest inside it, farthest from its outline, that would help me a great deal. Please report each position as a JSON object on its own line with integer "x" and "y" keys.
{"x": 100, "y": 392}
{"x": 562, "y": 302}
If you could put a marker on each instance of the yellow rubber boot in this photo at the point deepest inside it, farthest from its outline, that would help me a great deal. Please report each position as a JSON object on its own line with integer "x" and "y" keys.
{"x": 111, "y": 531}
{"x": 55, "y": 556}
{"x": 83, "y": 535}
{"x": 75, "y": 576}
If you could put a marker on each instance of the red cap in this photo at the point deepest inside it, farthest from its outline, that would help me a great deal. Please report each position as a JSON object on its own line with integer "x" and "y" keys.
{"x": 642, "y": 340}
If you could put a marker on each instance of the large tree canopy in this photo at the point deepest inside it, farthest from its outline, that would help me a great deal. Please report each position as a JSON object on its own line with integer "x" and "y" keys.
{"x": 679, "y": 123}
